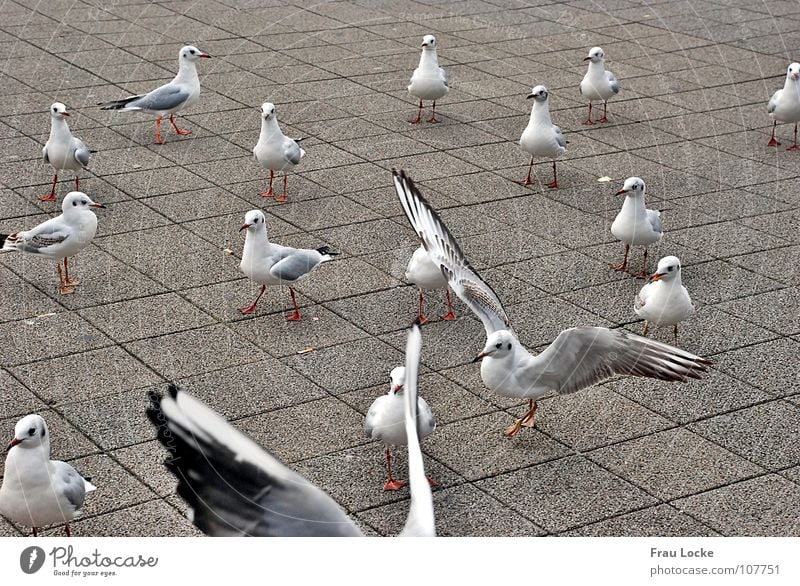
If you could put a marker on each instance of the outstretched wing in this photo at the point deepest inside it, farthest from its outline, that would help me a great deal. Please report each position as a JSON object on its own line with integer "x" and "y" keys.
{"x": 420, "y": 521}
{"x": 445, "y": 252}
{"x": 233, "y": 486}
{"x": 581, "y": 357}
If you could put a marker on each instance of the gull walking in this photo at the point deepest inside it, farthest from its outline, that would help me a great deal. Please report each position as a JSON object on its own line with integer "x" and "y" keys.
{"x": 36, "y": 490}
{"x": 275, "y": 151}
{"x": 598, "y": 84}
{"x": 235, "y": 488}
{"x": 578, "y": 358}
{"x": 62, "y": 150}
{"x": 635, "y": 224}
{"x": 429, "y": 81}
{"x": 385, "y": 421}
{"x": 542, "y": 138}
{"x": 784, "y": 105}
{"x": 424, "y": 274}
{"x": 59, "y": 237}
{"x": 272, "y": 264}
{"x": 179, "y": 94}
{"x": 664, "y": 301}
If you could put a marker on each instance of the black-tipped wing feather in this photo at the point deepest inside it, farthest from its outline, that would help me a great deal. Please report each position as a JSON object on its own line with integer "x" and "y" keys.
{"x": 234, "y": 487}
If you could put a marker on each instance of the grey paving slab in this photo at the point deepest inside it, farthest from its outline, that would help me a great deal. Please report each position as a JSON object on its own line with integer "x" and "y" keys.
{"x": 657, "y": 521}
{"x": 770, "y": 366}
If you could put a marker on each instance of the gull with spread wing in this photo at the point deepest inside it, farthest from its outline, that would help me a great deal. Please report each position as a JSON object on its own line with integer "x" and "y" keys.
{"x": 576, "y": 359}
{"x": 236, "y": 488}
{"x": 180, "y": 93}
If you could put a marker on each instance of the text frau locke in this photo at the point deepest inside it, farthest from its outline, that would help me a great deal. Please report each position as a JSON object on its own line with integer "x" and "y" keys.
{"x": 681, "y": 553}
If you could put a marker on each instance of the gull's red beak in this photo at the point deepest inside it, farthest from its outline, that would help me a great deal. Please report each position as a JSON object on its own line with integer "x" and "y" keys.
{"x": 65, "y": 113}
{"x": 622, "y": 191}
{"x": 13, "y": 443}
{"x": 656, "y": 276}
{"x": 205, "y": 55}
{"x": 97, "y": 205}
{"x": 586, "y": 58}
{"x": 479, "y": 357}
{"x": 244, "y": 227}
{"x": 397, "y": 388}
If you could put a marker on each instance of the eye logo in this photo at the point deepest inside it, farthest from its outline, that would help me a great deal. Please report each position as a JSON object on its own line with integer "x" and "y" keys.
{"x": 31, "y": 559}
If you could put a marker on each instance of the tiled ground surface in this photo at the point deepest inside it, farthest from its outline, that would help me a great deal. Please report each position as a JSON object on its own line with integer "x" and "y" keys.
{"x": 159, "y": 298}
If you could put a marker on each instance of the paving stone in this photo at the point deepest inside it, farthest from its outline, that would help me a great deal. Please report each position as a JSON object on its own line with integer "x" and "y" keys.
{"x": 658, "y": 521}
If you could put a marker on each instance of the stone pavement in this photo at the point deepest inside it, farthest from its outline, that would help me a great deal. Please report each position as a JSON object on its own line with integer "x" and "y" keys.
{"x": 159, "y": 294}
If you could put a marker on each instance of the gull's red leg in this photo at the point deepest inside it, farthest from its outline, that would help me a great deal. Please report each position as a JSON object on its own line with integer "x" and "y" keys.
{"x": 624, "y": 264}
{"x": 419, "y": 114}
{"x": 527, "y": 180}
{"x": 67, "y": 281}
{"x": 422, "y": 319}
{"x": 450, "y": 315}
{"x": 250, "y": 309}
{"x": 433, "y": 117}
{"x": 52, "y": 195}
{"x": 175, "y": 126}
{"x": 296, "y": 315}
{"x": 605, "y": 107}
{"x": 588, "y": 121}
{"x": 77, "y": 183}
{"x": 283, "y": 198}
{"x": 772, "y": 140}
{"x": 269, "y": 192}
{"x": 643, "y": 273}
{"x": 63, "y": 288}
{"x": 554, "y": 183}
{"x": 66, "y": 530}
{"x": 795, "y": 146}
{"x": 159, "y": 140}
{"x": 391, "y": 483}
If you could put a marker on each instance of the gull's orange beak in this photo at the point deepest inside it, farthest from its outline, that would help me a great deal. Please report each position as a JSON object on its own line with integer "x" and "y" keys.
{"x": 656, "y": 276}
{"x": 397, "y": 388}
{"x": 13, "y": 443}
{"x": 97, "y": 205}
{"x": 479, "y": 357}
{"x": 244, "y": 227}
{"x": 65, "y": 113}
{"x": 621, "y": 192}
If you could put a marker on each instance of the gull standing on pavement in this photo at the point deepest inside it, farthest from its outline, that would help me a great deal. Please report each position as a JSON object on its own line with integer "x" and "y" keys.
{"x": 275, "y": 151}
{"x": 59, "y": 237}
{"x": 272, "y": 264}
{"x": 664, "y": 301}
{"x": 179, "y": 94}
{"x": 598, "y": 84}
{"x": 784, "y": 105}
{"x": 424, "y": 274}
{"x": 578, "y": 358}
{"x": 63, "y": 151}
{"x": 236, "y": 488}
{"x": 385, "y": 421}
{"x": 635, "y": 225}
{"x": 36, "y": 490}
{"x": 542, "y": 138}
{"x": 429, "y": 81}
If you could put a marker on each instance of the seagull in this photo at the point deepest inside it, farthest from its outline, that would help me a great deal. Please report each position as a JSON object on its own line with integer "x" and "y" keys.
{"x": 180, "y": 93}
{"x": 59, "y": 237}
{"x": 424, "y": 274}
{"x": 598, "y": 84}
{"x": 36, "y": 490}
{"x": 274, "y": 150}
{"x": 272, "y": 264}
{"x": 62, "y": 150}
{"x": 578, "y": 358}
{"x": 385, "y": 421}
{"x": 635, "y": 224}
{"x": 664, "y": 301}
{"x": 429, "y": 81}
{"x": 235, "y": 488}
{"x": 784, "y": 105}
{"x": 542, "y": 138}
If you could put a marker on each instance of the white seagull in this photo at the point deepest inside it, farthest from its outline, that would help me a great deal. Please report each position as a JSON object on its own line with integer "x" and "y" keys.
{"x": 385, "y": 421}
{"x": 36, "y": 490}
{"x": 59, "y": 237}
{"x": 274, "y": 150}
{"x": 429, "y": 81}
{"x": 784, "y": 105}
{"x": 272, "y": 264}
{"x": 598, "y": 84}
{"x": 62, "y": 150}
{"x": 635, "y": 225}
{"x": 180, "y": 93}
{"x": 542, "y": 138}
{"x": 577, "y": 359}
{"x": 235, "y": 488}
{"x": 424, "y": 274}
{"x": 664, "y": 301}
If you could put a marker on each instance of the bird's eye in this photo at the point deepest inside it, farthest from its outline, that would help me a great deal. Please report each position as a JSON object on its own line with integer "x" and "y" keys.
{"x": 32, "y": 431}
{"x": 509, "y": 345}
{"x": 498, "y": 346}
{"x": 43, "y": 432}
{"x": 192, "y": 51}
{"x": 670, "y": 268}
{"x": 75, "y": 203}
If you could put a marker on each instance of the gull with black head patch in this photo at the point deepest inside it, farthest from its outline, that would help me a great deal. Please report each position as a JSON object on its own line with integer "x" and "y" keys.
{"x": 542, "y": 138}
{"x": 275, "y": 151}
{"x": 63, "y": 151}
{"x": 635, "y": 225}
{"x": 598, "y": 84}
{"x": 664, "y": 301}
{"x": 429, "y": 81}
